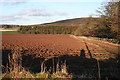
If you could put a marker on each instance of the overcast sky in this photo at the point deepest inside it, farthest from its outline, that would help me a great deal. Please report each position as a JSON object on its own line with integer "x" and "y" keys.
{"x": 26, "y": 12}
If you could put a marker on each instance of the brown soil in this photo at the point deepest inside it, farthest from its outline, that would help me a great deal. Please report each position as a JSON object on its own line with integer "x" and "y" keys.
{"x": 48, "y": 45}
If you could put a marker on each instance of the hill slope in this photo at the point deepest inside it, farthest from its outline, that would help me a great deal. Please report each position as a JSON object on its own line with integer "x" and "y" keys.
{"x": 75, "y": 21}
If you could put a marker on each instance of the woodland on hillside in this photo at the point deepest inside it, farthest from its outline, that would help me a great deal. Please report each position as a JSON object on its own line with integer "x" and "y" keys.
{"x": 108, "y": 24}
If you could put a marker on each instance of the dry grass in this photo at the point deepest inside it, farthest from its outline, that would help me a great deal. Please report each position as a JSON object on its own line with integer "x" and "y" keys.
{"x": 15, "y": 70}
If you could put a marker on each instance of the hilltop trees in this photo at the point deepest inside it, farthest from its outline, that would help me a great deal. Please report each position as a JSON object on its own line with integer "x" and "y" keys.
{"x": 106, "y": 26}
{"x": 109, "y": 18}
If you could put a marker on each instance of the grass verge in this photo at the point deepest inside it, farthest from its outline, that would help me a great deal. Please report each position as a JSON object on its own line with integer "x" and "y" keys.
{"x": 10, "y": 32}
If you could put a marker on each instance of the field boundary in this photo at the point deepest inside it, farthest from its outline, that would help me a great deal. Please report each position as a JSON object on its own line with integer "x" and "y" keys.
{"x": 87, "y": 38}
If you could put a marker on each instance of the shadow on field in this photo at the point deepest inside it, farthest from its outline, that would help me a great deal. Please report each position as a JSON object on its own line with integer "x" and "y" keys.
{"x": 28, "y": 61}
{"x": 82, "y": 67}
{"x": 88, "y": 49}
{"x": 5, "y": 60}
{"x": 79, "y": 66}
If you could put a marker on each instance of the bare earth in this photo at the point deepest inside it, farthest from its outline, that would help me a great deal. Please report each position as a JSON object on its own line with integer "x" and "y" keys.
{"x": 48, "y": 45}
{"x": 2, "y": 29}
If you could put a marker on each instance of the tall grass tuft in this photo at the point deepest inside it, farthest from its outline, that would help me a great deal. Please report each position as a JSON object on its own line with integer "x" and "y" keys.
{"x": 15, "y": 70}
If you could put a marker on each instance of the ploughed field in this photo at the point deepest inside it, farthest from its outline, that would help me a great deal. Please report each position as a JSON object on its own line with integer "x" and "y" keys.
{"x": 41, "y": 45}
{"x": 80, "y": 54}
{"x": 48, "y": 46}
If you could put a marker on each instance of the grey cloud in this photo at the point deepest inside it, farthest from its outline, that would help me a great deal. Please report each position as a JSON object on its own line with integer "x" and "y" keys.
{"x": 40, "y": 14}
{"x": 34, "y": 12}
{"x": 22, "y": 13}
{"x": 44, "y": 12}
{"x": 11, "y": 19}
{"x": 61, "y": 13}
{"x": 36, "y": 9}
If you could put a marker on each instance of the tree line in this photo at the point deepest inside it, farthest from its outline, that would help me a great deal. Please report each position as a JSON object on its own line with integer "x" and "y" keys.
{"x": 47, "y": 29}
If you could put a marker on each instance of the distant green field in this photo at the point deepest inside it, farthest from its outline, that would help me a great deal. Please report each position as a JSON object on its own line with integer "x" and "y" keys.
{"x": 13, "y": 28}
{"x": 10, "y": 32}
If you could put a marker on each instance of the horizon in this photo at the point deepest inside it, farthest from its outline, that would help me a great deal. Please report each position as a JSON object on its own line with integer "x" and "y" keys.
{"x": 50, "y": 22}
{"x": 31, "y": 13}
